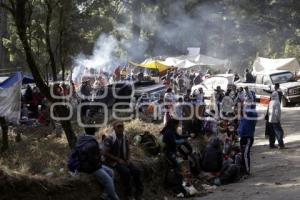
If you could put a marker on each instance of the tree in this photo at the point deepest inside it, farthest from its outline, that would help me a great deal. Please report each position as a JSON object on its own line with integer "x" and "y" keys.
{"x": 22, "y": 11}
{"x": 3, "y": 35}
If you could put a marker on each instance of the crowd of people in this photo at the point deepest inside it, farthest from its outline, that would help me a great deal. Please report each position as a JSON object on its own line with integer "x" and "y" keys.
{"x": 228, "y": 122}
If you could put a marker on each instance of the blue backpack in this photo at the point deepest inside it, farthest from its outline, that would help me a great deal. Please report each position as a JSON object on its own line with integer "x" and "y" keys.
{"x": 85, "y": 157}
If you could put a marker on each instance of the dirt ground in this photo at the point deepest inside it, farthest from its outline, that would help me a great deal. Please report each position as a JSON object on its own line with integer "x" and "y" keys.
{"x": 275, "y": 173}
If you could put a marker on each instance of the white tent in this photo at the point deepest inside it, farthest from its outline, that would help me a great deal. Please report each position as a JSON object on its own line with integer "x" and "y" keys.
{"x": 10, "y": 97}
{"x": 266, "y": 64}
{"x": 187, "y": 61}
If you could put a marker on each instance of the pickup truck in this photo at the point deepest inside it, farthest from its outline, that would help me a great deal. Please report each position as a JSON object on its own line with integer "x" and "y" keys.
{"x": 265, "y": 82}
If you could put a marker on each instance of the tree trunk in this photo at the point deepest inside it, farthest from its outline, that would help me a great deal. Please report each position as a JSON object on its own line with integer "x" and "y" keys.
{"x": 4, "y": 61}
{"x": 20, "y": 17}
{"x": 48, "y": 42}
{"x": 4, "y": 128}
{"x": 71, "y": 137}
{"x": 63, "y": 111}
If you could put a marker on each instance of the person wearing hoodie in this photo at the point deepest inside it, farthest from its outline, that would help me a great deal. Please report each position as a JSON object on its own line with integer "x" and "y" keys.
{"x": 246, "y": 132}
{"x": 212, "y": 157}
{"x": 274, "y": 114}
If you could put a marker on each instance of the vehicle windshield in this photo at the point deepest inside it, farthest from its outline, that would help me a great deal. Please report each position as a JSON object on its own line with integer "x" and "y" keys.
{"x": 282, "y": 77}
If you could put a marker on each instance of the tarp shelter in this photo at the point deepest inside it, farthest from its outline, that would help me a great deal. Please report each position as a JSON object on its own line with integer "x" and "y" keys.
{"x": 10, "y": 97}
{"x": 188, "y": 61}
{"x": 152, "y": 64}
{"x": 266, "y": 64}
{"x": 27, "y": 79}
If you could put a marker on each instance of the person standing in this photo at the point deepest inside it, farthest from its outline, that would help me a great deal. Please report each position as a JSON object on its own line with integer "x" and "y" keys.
{"x": 200, "y": 96}
{"x": 277, "y": 89}
{"x": 246, "y": 132}
{"x": 117, "y": 154}
{"x": 274, "y": 118}
{"x": 249, "y": 77}
{"x": 218, "y": 96}
{"x": 227, "y": 104}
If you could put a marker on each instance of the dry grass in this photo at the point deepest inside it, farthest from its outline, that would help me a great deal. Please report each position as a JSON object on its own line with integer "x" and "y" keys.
{"x": 41, "y": 151}
{"x": 37, "y": 154}
{"x": 135, "y": 127}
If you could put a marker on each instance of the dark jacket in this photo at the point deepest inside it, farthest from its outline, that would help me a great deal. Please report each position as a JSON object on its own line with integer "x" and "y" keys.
{"x": 171, "y": 139}
{"x": 89, "y": 153}
{"x": 212, "y": 157}
{"x": 247, "y": 124}
{"x": 116, "y": 146}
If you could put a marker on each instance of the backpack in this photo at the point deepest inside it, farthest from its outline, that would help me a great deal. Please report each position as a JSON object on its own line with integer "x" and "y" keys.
{"x": 230, "y": 173}
{"x": 150, "y": 144}
{"x": 195, "y": 163}
{"x": 85, "y": 157}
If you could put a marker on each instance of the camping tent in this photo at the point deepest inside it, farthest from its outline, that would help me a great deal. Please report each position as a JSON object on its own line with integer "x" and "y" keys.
{"x": 152, "y": 64}
{"x": 10, "y": 97}
{"x": 266, "y": 64}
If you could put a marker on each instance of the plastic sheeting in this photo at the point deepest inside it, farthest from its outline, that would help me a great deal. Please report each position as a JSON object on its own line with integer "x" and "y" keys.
{"x": 10, "y": 97}
{"x": 152, "y": 64}
{"x": 266, "y": 64}
{"x": 188, "y": 61}
{"x": 183, "y": 62}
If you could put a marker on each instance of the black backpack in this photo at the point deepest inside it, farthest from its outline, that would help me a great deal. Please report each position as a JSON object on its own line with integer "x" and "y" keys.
{"x": 85, "y": 157}
{"x": 195, "y": 163}
{"x": 150, "y": 144}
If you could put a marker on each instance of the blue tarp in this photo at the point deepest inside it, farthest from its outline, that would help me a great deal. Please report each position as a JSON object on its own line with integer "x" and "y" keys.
{"x": 27, "y": 79}
{"x": 11, "y": 80}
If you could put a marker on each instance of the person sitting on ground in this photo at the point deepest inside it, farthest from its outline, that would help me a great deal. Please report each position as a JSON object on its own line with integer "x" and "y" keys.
{"x": 24, "y": 112}
{"x": 212, "y": 157}
{"x": 36, "y": 101}
{"x": 117, "y": 154}
{"x": 44, "y": 117}
{"x": 86, "y": 158}
{"x": 28, "y": 94}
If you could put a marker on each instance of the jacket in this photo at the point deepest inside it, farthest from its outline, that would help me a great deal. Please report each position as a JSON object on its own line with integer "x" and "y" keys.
{"x": 212, "y": 157}
{"x": 274, "y": 108}
{"x": 247, "y": 124}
